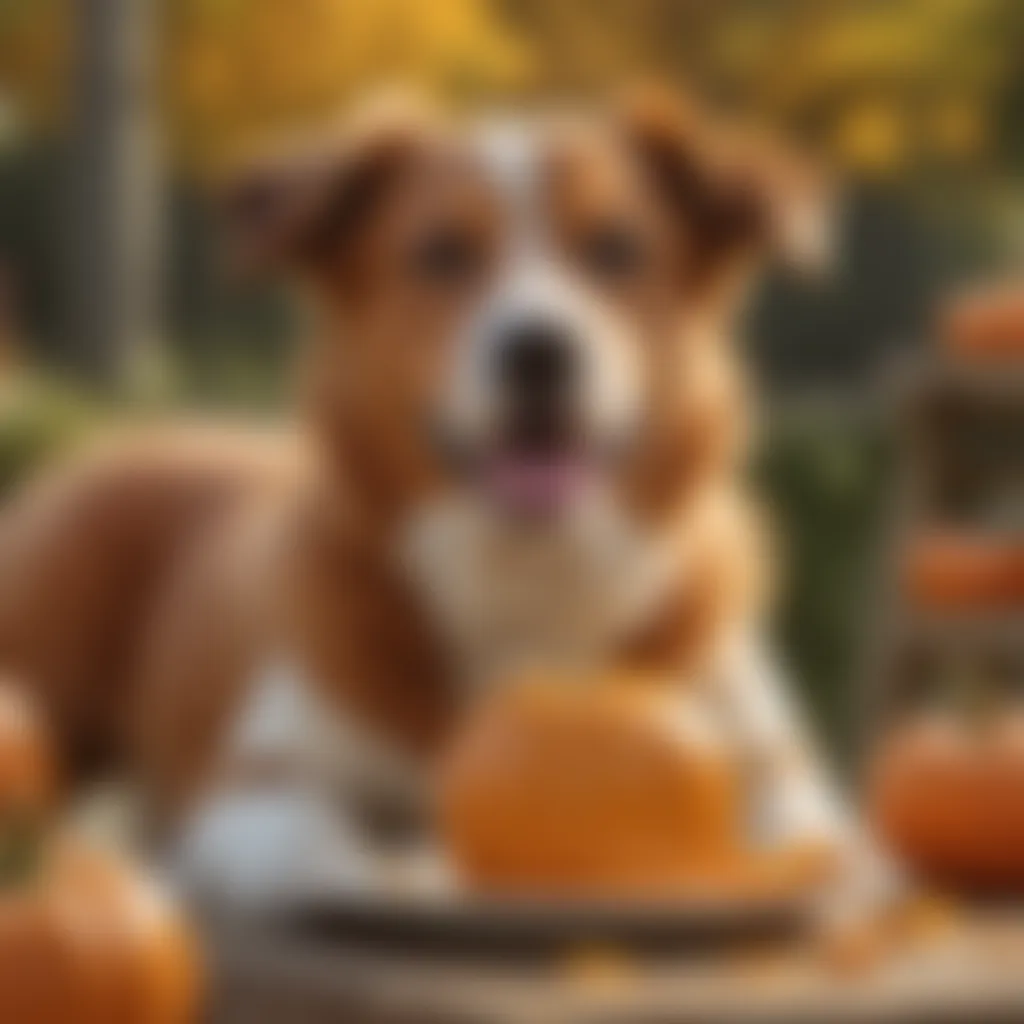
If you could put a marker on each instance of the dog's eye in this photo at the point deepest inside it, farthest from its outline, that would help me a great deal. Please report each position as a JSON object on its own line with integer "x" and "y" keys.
{"x": 445, "y": 256}
{"x": 613, "y": 252}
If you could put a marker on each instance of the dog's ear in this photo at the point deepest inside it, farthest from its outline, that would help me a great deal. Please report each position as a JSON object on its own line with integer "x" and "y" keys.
{"x": 735, "y": 196}
{"x": 296, "y": 210}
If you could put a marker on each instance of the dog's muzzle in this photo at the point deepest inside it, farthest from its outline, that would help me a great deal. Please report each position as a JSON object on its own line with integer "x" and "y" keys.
{"x": 540, "y": 462}
{"x": 541, "y": 454}
{"x": 539, "y": 374}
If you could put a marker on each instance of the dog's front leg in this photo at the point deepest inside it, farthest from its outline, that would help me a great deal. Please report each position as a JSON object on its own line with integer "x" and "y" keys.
{"x": 793, "y": 799}
{"x": 262, "y": 847}
{"x": 278, "y": 821}
{"x": 798, "y": 812}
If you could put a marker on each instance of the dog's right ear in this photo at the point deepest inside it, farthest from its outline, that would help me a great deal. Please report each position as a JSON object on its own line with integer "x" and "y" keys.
{"x": 296, "y": 212}
{"x": 738, "y": 196}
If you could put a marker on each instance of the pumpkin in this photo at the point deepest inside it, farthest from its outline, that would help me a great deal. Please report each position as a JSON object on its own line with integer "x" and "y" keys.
{"x": 26, "y": 767}
{"x": 950, "y": 570}
{"x": 90, "y": 940}
{"x": 619, "y": 786}
{"x": 987, "y": 323}
{"x": 947, "y": 795}
{"x": 84, "y": 937}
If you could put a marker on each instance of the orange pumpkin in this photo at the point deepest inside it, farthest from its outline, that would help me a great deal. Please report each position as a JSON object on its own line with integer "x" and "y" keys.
{"x": 987, "y": 323}
{"x": 948, "y": 797}
{"x": 594, "y": 786}
{"x": 26, "y": 767}
{"x": 610, "y": 787}
{"x": 949, "y": 571}
{"x": 89, "y": 940}
{"x": 83, "y": 937}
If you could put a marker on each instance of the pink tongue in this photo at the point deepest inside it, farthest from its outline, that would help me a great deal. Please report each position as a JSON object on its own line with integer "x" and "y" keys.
{"x": 537, "y": 484}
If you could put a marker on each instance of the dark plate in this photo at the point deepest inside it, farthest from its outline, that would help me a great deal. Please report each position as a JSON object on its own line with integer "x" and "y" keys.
{"x": 521, "y": 928}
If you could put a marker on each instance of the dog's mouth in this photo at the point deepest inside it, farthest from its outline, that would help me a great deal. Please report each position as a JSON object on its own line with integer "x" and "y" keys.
{"x": 532, "y": 479}
{"x": 538, "y": 484}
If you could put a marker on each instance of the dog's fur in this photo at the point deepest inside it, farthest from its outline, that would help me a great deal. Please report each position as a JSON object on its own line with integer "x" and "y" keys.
{"x": 273, "y": 639}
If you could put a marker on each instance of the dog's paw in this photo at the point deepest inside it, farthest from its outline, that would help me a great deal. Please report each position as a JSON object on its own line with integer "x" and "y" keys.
{"x": 872, "y": 910}
{"x": 261, "y": 850}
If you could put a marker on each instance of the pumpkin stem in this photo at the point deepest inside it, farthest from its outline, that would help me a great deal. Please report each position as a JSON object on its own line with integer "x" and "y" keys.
{"x": 971, "y": 694}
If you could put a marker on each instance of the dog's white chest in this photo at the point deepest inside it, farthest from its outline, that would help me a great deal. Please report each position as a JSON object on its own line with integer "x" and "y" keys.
{"x": 508, "y": 599}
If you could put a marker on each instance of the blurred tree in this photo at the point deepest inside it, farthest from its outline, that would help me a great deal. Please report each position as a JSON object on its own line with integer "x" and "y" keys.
{"x": 34, "y": 51}
{"x": 883, "y": 83}
{"x": 112, "y": 278}
{"x": 238, "y": 68}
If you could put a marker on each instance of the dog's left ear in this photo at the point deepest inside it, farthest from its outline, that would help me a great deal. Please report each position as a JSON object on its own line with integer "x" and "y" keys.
{"x": 296, "y": 210}
{"x": 735, "y": 196}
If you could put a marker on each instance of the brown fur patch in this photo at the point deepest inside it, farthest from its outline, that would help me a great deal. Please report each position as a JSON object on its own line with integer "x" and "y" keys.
{"x": 84, "y": 552}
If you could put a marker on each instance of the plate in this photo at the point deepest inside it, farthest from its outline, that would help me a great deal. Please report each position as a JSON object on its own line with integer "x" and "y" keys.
{"x": 503, "y": 928}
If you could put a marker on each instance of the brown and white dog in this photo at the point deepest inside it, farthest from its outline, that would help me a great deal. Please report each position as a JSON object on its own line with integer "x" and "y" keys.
{"x": 525, "y": 429}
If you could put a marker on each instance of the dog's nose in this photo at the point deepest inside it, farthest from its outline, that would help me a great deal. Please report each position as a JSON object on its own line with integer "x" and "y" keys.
{"x": 538, "y": 359}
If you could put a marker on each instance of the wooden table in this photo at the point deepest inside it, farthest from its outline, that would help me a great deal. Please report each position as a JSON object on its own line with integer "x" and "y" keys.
{"x": 974, "y": 973}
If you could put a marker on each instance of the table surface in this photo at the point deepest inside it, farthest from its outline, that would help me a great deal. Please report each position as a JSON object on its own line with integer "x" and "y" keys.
{"x": 972, "y": 971}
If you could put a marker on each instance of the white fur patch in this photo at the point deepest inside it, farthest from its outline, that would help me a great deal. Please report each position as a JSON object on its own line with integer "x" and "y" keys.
{"x": 509, "y": 599}
{"x": 534, "y": 282}
{"x": 286, "y": 725}
{"x": 511, "y": 154}
{"x": 278, "y": 823}
{"x": 268, "y": 846}
{"x": 793, "y": 797}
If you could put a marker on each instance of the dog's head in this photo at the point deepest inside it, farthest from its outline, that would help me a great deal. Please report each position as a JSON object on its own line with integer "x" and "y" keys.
{"x": 530, "y": 312}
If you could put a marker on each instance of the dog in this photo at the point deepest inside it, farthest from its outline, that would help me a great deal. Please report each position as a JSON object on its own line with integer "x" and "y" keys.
{"x": 524, "y": 428}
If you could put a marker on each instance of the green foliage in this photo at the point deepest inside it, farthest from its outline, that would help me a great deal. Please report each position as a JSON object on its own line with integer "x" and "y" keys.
{"x": 236, "y": 70}
{"x": 882, "y": 85}
{"x": 826, "y": 473}
{"x": 39, "y": 420}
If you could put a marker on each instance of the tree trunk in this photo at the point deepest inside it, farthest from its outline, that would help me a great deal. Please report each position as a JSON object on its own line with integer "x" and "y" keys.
{"x": 112, "y": 294}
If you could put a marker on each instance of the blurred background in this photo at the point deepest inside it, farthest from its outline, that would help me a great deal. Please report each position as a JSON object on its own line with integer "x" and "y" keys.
{"x": 115, "y": 114}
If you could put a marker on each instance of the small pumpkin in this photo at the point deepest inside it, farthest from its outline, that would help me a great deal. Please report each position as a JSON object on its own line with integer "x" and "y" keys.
{"x": 26, "y": 766}
{"x": 84, "y": 936}
{"x": 952, "y": 570}
{"x": 947, "y": 795}
{"x": 618, "y": 786}
{"x": 26, "y": 782}
{"x": 91, "y": 940}
{"x": 987, "y": 323}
